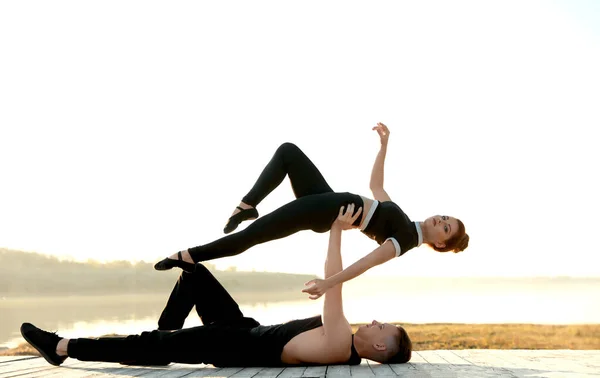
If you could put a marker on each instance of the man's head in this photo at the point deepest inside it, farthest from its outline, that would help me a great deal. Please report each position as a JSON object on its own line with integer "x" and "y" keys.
{"x": 383, "y": 342}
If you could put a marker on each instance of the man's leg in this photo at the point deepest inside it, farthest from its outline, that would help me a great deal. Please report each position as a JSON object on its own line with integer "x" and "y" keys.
{"x": 214, "y": 306}
{"x": 195, "y": 345}
{"x": 201, "y": 344}
{"x": 213, "y": 303}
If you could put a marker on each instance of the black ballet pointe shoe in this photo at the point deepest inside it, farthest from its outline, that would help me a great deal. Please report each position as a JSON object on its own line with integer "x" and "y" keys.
{"x": 238, "y": 218}
{"x": 169, "y": 263}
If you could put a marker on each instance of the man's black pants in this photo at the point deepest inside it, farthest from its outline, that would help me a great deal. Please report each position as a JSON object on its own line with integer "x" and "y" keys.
{"x": 224, "y": 328}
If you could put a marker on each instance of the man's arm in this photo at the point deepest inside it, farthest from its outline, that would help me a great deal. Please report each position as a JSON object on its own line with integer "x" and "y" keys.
{"x": 333, "y": 344}
{"x": 376, "y": 184}
{"x": 335, "y": 324}
{"x": 333, "y": 309}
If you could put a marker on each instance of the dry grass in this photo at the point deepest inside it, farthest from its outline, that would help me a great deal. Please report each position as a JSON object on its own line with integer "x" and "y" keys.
{"x": 503, "y": 336}
{"x": 23, "y": 349}
{"x": 473, "y": 336}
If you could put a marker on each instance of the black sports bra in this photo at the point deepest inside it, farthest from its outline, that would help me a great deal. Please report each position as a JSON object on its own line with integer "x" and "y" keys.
{"x": 390, "y": 222}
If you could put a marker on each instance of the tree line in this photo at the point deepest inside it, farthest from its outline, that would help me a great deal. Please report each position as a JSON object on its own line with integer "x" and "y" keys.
{"x": 33, "y": 274}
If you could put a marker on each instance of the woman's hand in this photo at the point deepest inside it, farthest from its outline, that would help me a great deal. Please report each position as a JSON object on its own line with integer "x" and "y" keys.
{"x": 318, "y": 287}
{"x": 383, "y": 132}
{"x": 345, "y": 220}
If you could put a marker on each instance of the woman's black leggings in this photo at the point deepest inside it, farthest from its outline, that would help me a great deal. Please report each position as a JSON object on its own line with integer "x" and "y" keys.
{"x": 315, "y": 208}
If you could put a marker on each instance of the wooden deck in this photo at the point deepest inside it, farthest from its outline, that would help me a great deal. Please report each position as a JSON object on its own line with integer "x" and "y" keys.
{"x": 437, "y": 363}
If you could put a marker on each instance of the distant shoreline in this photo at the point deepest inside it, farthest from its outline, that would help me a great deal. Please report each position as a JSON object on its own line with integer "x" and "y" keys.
{"x": 241, "y": 296}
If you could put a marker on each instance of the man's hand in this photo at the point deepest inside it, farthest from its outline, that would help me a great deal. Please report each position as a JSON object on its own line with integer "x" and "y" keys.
{"x": 345, "y": 220}
{"x": 383, "y": 132}
{"x": 317, "y": 288}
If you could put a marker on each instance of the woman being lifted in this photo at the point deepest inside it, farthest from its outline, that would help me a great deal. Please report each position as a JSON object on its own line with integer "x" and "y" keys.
{"x": 315, "y": 208}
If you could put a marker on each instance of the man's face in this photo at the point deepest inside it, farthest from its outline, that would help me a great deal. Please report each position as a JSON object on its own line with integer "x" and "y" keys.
{"x": 375, "y": 332}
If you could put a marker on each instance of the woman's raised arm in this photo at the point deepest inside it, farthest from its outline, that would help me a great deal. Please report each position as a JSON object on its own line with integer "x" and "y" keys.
{"x": 383, "y": 253}
{"x": 376, "y": 184}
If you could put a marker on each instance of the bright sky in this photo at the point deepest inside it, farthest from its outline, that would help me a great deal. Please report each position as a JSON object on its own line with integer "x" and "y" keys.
{"x": 131, "y": 129}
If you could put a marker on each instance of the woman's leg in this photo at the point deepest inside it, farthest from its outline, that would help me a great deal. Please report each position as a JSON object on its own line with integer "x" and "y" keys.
{"x": 313, "y": 212}
{"x": 213, "y": 303}
{"x": 288, "y": 160}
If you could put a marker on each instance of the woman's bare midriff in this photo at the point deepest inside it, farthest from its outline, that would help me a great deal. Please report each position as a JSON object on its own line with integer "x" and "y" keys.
{"x": 367, "y": 203}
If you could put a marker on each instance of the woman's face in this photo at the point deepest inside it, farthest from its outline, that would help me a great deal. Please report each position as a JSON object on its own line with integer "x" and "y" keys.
{"x": 441, "y": 228}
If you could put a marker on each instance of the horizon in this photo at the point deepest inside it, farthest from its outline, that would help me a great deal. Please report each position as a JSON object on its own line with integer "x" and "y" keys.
{"x": 366, "y": 275}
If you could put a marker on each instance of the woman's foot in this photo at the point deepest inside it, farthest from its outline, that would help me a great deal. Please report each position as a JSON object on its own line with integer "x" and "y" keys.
{"x": 179, "y": 259}
{"x": 241, "y": 213}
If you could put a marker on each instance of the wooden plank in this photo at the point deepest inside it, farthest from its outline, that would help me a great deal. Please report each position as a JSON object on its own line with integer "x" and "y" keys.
{"x": 315, "y": 371}
{"x": 513, "y": 360}
{"x": 452, "y": 357}
{"x": 10, "y": 365}
{"x": 362, "y": 370}
{"x": 430, "y": 364}
{"x": 174, "y": 370}
{"x": 402, "y": 369}
{"x": 380, "y": 369}
{"x": 419, "y": 363}
{"x": 205, "y": 371}
{"x": 44, "y": 369}
{"x": 485, "y": 361}
{"x": 436, "y": 364}
{"x": 115, "y": 370}
{"x": 70, "y": 369}
{"x": 292, "y": 371}
{"x": 270, "y": 372}
{"x": 98, "y": 369}
{"x": 417, "y": 370}
{"x": 444, "y": 368}
{"x": 560, "y": 361}
{"x": 338, "y": 371}
{"x": 434, "y": 359}
{"x": 590, "y": 358}
{"x": 567, "y": 363}
{"x": 564, "y": 363}
{"x": 248, "y": 372}
{"x": 417, "y": 358}
{"x": 211, "y": 371}
{"x": 485, "y": 369}
{"x": 26, "y": 365}
{"x": 4, "y": 359}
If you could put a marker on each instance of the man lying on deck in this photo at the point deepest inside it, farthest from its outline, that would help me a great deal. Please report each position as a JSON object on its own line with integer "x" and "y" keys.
{"x": 227, "y": 338}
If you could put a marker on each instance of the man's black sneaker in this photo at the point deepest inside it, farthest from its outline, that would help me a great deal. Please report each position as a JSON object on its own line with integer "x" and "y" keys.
{"x": 44, "y": 342}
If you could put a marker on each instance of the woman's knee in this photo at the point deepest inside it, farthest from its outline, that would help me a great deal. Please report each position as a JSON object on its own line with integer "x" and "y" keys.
{"x": 287, "y": 148}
